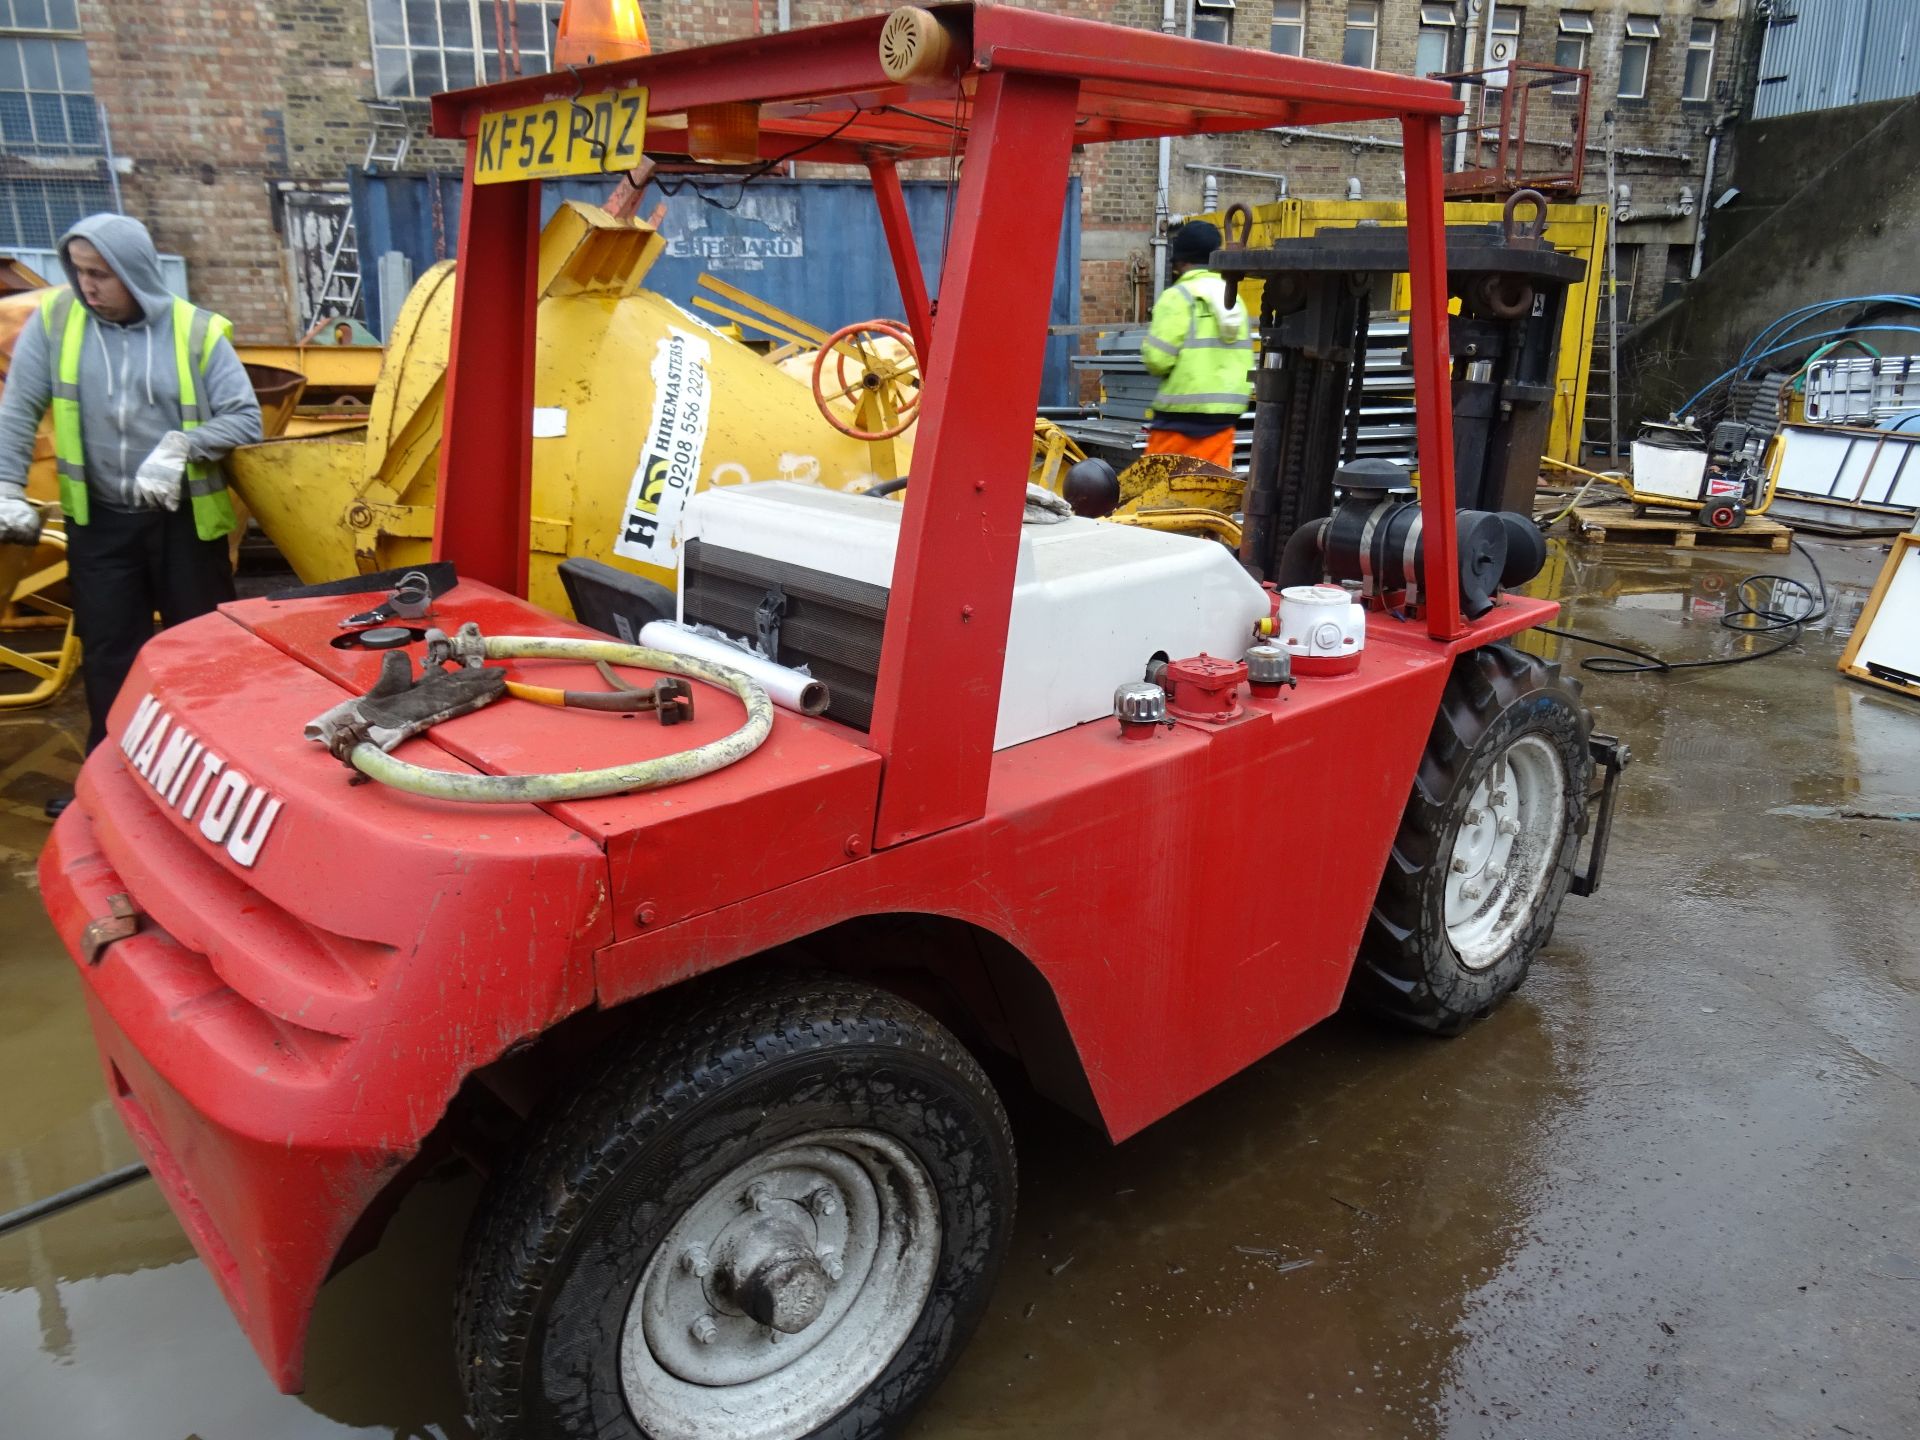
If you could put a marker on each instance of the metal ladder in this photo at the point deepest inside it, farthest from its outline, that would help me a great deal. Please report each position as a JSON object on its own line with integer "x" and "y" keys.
{"x": 1596, "y": 421}
{"x": 387, "y": 142}
{"x": 339, "y": 296}
{"x": 387, "y": 145}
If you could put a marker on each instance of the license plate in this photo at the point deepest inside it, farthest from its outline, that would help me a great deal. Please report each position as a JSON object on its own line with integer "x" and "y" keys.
{"x": 594, "y": 135}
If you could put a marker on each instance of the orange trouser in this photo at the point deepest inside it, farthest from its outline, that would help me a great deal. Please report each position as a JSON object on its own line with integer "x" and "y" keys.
{"x": 1216, "y": 448}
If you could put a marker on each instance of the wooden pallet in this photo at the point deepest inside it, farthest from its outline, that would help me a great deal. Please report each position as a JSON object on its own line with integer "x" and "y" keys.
{"x": 1617, "y": 525}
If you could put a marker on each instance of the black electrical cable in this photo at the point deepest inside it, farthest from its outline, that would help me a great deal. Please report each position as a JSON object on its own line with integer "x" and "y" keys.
{"x": 1788, "y": 625}
{"x": 700, "y": 184}
{"x": 53, "y": 1204}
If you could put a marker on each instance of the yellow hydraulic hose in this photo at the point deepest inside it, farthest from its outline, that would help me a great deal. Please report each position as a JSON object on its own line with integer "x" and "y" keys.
{"x": 373, "y": 762}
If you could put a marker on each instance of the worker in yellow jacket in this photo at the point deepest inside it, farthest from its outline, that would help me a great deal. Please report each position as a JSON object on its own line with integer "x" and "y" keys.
{"x": 147, "y": 397}
{"x": 1202, "y": 350}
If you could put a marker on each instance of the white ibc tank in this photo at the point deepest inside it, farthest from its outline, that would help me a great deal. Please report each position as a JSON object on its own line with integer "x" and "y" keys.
{"x": 1092, "y": 601}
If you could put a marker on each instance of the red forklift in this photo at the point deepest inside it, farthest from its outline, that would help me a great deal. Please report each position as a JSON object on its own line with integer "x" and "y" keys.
{"x": 708, "y": 1003}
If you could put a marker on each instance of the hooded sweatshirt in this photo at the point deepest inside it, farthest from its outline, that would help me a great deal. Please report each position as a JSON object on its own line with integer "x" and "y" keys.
{"x": 129, "y": 381}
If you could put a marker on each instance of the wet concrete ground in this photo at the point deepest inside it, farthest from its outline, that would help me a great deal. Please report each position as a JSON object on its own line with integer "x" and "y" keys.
{"x": 1671, "y": 1190}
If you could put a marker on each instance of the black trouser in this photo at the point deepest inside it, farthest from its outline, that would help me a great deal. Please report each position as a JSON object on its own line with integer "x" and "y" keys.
{"x": 121, "y": 568}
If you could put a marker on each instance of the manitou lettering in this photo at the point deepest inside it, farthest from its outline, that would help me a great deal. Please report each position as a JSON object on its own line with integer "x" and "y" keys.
{"x": 182, "y": 772}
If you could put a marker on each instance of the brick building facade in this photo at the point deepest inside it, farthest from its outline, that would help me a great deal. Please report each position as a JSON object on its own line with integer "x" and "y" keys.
{"x": 228, "y": 121}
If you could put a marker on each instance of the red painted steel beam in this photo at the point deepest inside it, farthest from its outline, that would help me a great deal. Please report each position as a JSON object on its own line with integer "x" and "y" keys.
{"x": 892, "y": 203}
{"x": 1172, "y": 67}
{"x": 1432, "y": 370}
{"x": 486, "y": 446}
{"x": 794, "y": 65}
{"x": 1141, "y": 67}
{"x": 946, "y": 637}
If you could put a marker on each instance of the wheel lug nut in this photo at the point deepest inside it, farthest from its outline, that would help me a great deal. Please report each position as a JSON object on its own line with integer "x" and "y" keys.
{"x": 704, "y": 1330}
{"x": 694, "y": 1261}
{"x": 759, "y": 1196}
{"x": 1459, "y": 867}
{"x": 823, "y": 1202}
{"x": 1470, "y": 891}
{"x": 1509, "y": 827}
{"x": 1474, "y": 817}
{"x": 830, "y": 1262}
{"x": 1499, "y": 797}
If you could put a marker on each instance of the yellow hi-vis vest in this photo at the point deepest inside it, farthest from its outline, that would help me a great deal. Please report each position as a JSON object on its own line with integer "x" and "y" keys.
{"x": 195, "y": 332}
{"x": 1201, "y": 371}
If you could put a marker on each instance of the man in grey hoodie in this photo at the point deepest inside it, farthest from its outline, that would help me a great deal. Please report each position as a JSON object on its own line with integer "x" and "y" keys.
{"x": 148, "y": 397}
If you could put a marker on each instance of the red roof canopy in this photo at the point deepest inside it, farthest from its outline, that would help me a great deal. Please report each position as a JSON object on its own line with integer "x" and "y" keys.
{"x": 826, "y": 84}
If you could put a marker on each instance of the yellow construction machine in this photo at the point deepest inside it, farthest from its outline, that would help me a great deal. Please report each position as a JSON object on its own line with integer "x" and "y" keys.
{"x": 626, "y": 383}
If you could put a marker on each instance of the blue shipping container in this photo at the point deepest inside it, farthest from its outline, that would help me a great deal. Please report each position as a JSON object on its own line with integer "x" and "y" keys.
{"x": 814, "y": 248}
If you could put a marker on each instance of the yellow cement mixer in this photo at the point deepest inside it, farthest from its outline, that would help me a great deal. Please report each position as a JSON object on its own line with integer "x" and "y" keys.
{"x": 624, "y": 380}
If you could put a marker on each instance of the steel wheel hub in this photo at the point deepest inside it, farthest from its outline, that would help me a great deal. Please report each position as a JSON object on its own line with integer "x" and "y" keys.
{"x": 783, "y": 1291}
{"x": 1504, "y": 851}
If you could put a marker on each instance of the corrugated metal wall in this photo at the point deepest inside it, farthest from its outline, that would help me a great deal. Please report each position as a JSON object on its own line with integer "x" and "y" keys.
{"x": 812, "y": 247}
{"x": 1822, "y": 54}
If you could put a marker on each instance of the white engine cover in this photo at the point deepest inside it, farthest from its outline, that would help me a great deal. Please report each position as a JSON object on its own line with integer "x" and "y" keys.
{"x": 1667, "y": 472}
{"x": 1092, "y": 601}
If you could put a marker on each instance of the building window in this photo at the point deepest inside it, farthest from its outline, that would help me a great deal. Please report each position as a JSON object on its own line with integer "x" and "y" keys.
{"x": 46, "y": 98}
{"x": 1636, "y": 56}
{"x": 59, "y": 17}
{"x": 421, "y": 47}
{"x": 1289, "y": 34}
{"x": 1570, "y": 50}
{"x": 1503, "y": 48}
{"x": 1700, "y": 42}
{"x": 1505, "y": 45}
{"x": 49, "y": 126}
{"x": 1362, "y": 44}
{"x": 1433, "y": 52}
{"x": 1212, "y": 20}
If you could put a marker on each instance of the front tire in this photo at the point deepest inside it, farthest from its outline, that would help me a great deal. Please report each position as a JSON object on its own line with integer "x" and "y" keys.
{"x": 779, "y": 1213}
{"x": 1486, "y": 848}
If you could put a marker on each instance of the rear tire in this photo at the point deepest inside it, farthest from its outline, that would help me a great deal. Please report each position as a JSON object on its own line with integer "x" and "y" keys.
{"x": 784, "y": 1206}
{"x": 1486, "y": 849}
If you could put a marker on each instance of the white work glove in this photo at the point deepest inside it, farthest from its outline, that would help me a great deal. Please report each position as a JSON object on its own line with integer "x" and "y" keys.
{"x": 1044, "y": 507}
{"x": 157, "y": 481}
{"x": 19, "y": 518}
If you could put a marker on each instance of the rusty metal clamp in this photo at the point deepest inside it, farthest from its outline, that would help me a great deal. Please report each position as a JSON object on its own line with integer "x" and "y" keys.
{"x": 670, "y": 697}
{"x": 1232, "y": 242}
{"x": 1526, "y": 237}
{"x": 1244, "y": 214}
{"x": 466, "y": 647}
{"x": 120, "y": 923}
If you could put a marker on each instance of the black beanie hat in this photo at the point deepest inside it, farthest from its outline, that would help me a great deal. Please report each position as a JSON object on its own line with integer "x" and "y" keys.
{"x": 1195, "y": 242}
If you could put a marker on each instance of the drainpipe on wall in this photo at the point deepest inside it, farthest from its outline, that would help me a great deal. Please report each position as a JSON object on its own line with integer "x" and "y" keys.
{"x": 1706, "y": 205}
{"x": 112, "y": 163}
{"x": 1162, "y": 199}
{"x": 1467, "y": 53}
{"x": 784, "y": 15}
{"x": 1613, "y": 311}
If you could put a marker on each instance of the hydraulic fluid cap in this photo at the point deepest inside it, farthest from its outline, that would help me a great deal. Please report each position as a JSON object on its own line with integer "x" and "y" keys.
{"x": 385, "y": 637}
{"x": 1268, "y": 668}
{"x": 1141, "y": 709}
{"x": 1321, "y": 628}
